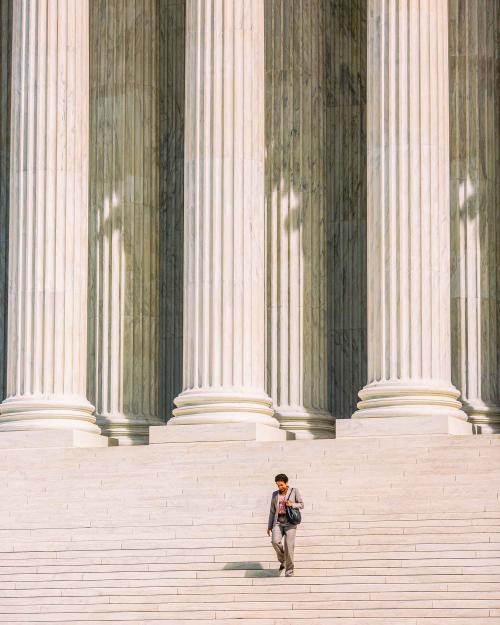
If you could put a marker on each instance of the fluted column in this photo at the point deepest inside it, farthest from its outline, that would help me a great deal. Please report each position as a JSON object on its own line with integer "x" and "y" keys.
{"x": 409, "y": 364}
{"x": 475, "y": 207}
{"x": 125, "y": 217}
{"x": 346, "y": 201}
{"x": 172, "y": 90}
{"x": 47, "y": 315}
{"x": 5, "y": 94}
{"x": 224, "y": 229}
{"x": 296, "y": 214}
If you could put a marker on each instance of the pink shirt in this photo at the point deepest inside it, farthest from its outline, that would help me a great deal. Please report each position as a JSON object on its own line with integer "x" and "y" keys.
{"x": 281, "y": 504}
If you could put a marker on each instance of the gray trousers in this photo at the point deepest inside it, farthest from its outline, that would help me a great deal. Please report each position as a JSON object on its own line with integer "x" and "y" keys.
{"x": 284, "y": 533}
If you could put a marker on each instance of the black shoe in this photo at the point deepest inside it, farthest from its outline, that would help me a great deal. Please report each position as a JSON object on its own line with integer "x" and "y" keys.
{"x": 282, "y": 567}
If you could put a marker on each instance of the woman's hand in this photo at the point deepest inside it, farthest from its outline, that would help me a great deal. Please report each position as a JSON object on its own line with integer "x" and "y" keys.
{"x": 269, "y": 532}
{"x": 289, "y": 503}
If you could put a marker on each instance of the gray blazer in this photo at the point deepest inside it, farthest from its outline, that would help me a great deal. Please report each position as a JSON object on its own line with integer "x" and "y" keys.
{"x": 294, "y": 497}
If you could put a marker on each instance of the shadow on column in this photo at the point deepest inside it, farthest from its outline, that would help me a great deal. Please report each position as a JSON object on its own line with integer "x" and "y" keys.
{"x": 172, "y": 53}
{"x": 5, "y": 82}
{"x": 296, "y": 221}
{"x": 299, "y": 178}
{"x": 346, "y": 198}
{"x": 474, "y": 53}
{"x": 123, "y": 350}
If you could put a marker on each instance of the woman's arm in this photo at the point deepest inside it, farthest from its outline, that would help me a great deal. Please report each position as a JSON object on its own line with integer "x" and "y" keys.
{"x": 298, "y": 500}
{"x": 272, "y": 513}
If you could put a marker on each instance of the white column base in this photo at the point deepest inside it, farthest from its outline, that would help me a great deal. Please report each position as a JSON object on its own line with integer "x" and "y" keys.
{"x": 402, "y": 426}
{"x": 400, "y": 399}
{"x": 306, "y": 425}
{"x": 218, "y": 432}
{"x": 40, "y": 413}
{"x": 210, "y": 407}
{"x": 128, "y": 431}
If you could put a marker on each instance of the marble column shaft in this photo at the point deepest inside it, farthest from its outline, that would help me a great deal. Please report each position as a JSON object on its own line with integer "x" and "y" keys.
{"x": 125, "y": 217}
{"x": 172, "y": 102}
{"x": 346, "y": 201}
{"x": 5, "y": 92}
{"x": 408, "y": 229}
{"x": 475, "y": 207}
{"x": 48, "y": 242}
{"x": 296, "y": 217}
{"x": 224, "y": 226}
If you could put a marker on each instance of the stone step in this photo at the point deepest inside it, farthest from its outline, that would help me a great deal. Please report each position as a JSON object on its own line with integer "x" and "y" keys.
{"x": 311, "y": 532}
{"x": 267, "y": 592}
{"x": 186, "y": 555}
{"x": 210, "y": 544}
{"x": 487, "y": 620}
{"x": 230, "y": 615}
{"x": 267, "y": 598}
{"x": 412, "y": 534}
{"x": 360, "y": 463}
{"x": 264, "y": 564}
{"x": 358, "y": 605}
{"x": 227, "y": 494}
{"x": 466, "y": 567}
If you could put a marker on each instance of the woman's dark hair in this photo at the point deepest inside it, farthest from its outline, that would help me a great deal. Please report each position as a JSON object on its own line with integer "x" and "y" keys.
{"x": 281, "y": 477}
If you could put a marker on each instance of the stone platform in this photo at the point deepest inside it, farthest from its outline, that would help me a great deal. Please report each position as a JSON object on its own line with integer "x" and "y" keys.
{"x": 396, "y": 531}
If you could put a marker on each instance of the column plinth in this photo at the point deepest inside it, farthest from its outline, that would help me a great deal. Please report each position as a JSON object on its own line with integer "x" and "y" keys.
{"x": 224, "y": 222}
{"x": 48, "y": 235}
{"x": 409, "y": 356}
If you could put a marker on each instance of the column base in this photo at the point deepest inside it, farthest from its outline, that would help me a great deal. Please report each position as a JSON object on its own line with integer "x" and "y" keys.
{"x": 402, "y": 426}
{"x": 211, "y": 407}
{"x": 216, "y": 433}
{"x": 484, "y": 417}
{"x": 128, "y": 430}
{"x": 306, "y": 425}
{"x": 47, "y": 413}
{"x": 400, "y": 399}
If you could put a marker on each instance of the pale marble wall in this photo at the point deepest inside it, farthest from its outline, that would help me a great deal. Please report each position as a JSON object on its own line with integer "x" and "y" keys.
{"x": 346, "y": 192}
{"x": 5, "y": 76}
{"x": 171, "y": 86}
{"x": 474, "y": 56}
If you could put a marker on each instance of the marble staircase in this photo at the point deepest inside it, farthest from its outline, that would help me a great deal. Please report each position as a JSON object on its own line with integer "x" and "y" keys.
{"x": 396, "y": 531}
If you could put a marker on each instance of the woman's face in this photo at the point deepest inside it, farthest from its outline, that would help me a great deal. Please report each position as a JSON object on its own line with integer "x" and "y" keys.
{"x": 282, "y": 486}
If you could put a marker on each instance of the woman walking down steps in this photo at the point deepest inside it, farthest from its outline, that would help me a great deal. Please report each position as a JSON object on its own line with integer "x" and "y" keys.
{"x": 281, "y": 530}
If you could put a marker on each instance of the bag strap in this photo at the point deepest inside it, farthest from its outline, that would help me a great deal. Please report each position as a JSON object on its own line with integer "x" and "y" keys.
{"x": 291, "y": 491}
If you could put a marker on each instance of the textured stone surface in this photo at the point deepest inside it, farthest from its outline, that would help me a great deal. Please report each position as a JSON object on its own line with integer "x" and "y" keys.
{"x": 402, "y": 426}
{"x": 474, "y": 50}
{"x": 395, "y": 529}
{"x": 218, "y": 433}
{"x": 297, "y": 354}
{"x": 48, "y": 235}
{"x": 409, "y": 355}
{"x": 224, "y": 261}
{"x": 172, "y": 95}
{"x": 124, "y": 220}
{"x": 5, "y": 74}
{"x": 345, "y": 23}
{"x": 53, "y": 438}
